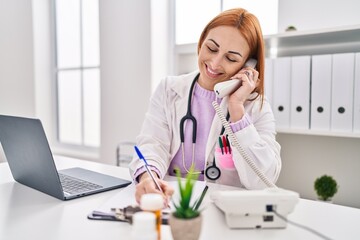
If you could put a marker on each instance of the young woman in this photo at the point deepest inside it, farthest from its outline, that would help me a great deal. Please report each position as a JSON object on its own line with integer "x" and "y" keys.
{"x": 167, "y": 138}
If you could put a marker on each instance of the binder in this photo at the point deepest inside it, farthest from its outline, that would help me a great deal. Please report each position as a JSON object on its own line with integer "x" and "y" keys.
{"x": 300, "y": 93}
{"x": 342, "y": 92}
{"x": 321, "y": 67}
{"x": 356, "y": 128}
{"x": 268, "y": 79}
{"x": 281, "y": 91}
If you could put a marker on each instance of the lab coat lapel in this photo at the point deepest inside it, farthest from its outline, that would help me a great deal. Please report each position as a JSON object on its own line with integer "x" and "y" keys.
{"x": 214, "y": 133}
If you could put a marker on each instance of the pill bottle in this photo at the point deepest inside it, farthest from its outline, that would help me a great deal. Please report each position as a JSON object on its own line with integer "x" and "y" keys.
{"x": 154, "y": 203}
{"x": 144, "y": 226}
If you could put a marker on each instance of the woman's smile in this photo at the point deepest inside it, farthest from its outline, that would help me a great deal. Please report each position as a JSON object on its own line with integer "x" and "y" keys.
{"x": 211, "y": 72}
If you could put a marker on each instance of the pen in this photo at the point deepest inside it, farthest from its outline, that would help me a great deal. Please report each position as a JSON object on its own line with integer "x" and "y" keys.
{"x": 147, "y": 168}
{"x": 224, "y": 143}
{"x": 221, "y": 146}
{"x": 228, "y": 143}
{"x": 201, "y": 198}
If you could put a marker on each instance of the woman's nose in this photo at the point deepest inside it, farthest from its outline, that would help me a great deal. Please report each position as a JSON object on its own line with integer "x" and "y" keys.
{"x": 216, "y": 62}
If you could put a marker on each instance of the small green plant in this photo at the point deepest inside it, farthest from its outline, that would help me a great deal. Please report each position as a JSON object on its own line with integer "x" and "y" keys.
{"x": 290, "y": 28}
{"x": 325, "y": 187}
{"x": 184, "y": 209}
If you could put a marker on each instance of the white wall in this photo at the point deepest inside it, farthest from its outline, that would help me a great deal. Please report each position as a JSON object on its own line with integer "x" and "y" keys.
{"x": 161, "y": 44}
{"x": 17, "y": 90}
{"x": 125, "y": 47}
{"x": 318, "y": 14}
{"x": 306, "y": 158}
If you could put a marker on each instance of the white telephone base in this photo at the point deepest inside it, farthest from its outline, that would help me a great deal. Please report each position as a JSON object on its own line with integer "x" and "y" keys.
{"x": 253, "y": 208}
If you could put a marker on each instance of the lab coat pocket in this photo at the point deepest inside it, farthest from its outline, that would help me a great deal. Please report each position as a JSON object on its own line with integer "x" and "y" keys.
{"x": 229, "y": 174}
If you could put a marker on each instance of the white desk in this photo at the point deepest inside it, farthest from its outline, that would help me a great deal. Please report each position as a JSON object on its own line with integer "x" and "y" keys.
{"x": 28, "y": 214}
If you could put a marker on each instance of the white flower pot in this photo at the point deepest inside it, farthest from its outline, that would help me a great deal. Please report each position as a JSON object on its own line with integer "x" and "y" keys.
{"x": 185, "y": 229}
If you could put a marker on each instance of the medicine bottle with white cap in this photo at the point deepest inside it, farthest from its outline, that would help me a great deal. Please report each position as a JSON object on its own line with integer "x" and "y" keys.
{"x": 154, "y": 203}
{"x": 143, "y": 226}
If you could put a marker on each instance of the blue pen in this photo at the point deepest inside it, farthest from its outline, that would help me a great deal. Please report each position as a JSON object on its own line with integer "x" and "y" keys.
{"x": 147, "y": 168}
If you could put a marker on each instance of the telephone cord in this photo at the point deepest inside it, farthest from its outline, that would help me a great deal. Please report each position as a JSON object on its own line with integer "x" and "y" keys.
{"x": 240, "y": 149}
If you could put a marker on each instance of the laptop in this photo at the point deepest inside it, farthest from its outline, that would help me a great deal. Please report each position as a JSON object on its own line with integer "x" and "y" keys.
{"x": 31, "y": 163}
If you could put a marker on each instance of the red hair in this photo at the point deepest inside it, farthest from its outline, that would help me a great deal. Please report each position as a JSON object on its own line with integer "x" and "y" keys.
{"x": 250, "y": 29}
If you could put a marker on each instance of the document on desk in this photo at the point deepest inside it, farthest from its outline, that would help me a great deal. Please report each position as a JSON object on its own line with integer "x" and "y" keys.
{"x": 126, "y": 197}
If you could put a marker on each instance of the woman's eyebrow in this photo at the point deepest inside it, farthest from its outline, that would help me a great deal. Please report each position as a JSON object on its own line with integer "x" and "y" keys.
{"x": 214, "y": 42}
{"x": 233, "y": 52}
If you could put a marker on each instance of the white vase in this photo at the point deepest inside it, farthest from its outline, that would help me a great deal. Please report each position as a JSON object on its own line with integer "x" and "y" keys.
{"x": 185, "y": 229}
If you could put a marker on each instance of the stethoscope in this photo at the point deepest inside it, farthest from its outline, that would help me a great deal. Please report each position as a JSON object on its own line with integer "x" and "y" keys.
{"x": 212, "y": 172}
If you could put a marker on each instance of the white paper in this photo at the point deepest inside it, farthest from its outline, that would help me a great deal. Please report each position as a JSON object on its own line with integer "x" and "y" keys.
{"x": 126, "y": 197}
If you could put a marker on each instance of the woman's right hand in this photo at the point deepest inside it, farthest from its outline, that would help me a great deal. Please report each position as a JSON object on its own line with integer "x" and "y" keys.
{"x": 147, "y": 185}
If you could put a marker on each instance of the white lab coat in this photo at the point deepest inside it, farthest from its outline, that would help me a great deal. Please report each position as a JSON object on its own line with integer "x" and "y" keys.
{"x": 159, "y": 139}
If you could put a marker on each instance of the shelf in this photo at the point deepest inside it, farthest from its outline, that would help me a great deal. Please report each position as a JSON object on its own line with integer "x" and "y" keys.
{"x": 318, "y": 133}
{"x": 325, "y": 41}
{"x": 334, "y": 40}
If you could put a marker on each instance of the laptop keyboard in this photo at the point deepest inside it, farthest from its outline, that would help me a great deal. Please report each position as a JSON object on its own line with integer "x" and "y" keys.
{"x": 73, "y": 185}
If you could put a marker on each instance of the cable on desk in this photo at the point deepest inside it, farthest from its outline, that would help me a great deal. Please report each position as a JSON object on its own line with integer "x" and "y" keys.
{"x": 301, "y": 226}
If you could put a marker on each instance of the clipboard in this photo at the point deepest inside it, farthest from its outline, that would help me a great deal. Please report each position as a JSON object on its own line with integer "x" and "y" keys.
{"x": 123, "y": 205}
{"x": 123, "y": 215}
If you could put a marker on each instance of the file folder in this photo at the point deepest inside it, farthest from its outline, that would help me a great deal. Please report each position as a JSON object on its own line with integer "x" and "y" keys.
{"x": 300, "y": 92}
{"x": 321, "y": 67}
{"x": 342, "y": 92}
{"x": 356, "y": 125}
{"x": 281, "y": 91}
{"x": 268, "y": 79}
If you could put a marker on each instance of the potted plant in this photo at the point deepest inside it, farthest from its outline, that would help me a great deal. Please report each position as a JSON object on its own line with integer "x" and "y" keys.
{"x": 290, "y": 28}
{"x": 325, "y": 187}
{"x": 185, "y": 222}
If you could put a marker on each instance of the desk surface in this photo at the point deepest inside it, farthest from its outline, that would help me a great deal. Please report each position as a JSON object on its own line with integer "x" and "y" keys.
{"x": 29, "y": 214}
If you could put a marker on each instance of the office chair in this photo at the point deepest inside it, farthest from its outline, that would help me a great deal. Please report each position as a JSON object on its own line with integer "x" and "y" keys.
{"x": 124, "y": 153}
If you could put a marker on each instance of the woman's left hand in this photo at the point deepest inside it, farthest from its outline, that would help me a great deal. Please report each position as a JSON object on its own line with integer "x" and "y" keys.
{"x": 249, "y": 81}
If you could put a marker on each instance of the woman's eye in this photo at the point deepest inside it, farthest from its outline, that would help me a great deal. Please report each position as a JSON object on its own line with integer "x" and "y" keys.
{"x": 211, "y": 49}
{"x": 231, "y": 60}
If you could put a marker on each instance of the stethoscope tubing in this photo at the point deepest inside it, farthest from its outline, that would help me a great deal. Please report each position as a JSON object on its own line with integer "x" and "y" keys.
{"x": 189, "y": 116}
{"x": 212, "y": 172}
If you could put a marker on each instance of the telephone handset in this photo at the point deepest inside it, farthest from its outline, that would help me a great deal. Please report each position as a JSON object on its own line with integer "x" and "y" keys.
{"x": 223, "y": 89}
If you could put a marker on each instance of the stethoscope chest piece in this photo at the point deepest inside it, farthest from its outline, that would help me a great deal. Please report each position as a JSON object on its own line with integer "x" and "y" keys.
{"x": 213, "y": 172}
